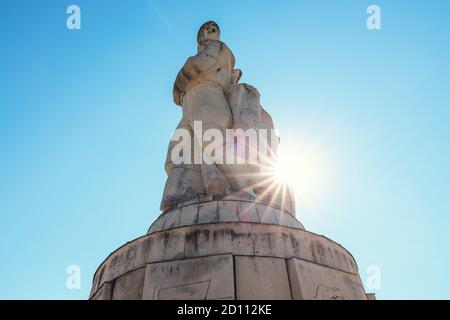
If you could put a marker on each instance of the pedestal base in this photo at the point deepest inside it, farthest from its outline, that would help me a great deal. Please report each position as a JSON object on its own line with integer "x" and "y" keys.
{"x": 242, "y": 251}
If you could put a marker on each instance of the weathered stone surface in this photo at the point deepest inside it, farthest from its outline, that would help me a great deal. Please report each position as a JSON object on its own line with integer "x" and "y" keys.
{"x": 214, "y": 211}
{"x": 218, "y": 239}
{"x": 290, "y": 221}
{"x": 261, "y": 278}
{"x": 157, "y": 225}
{"x": 229, "y": 211}
{"x": 310, "y": 281}
{"x": 118, "y": 263}
{"x": 171, "y": 220}
{"x": 130, "y": 286}
{"x": 104, "y": 292}
{"x": 199, "y": 278}
{"x": 189, "y": 215}
{"x": 284, "y": 242}
{"x": 200, "y": 89}
{"x": 225, "y": 226}
{"x": 166, "y": 245}
{"x": 208, "y": 90}
{"x": 371, "y": 296}
{"x": 144, "y": 248}
{"x": 237, "y": 238}
{"x": 270, "y": 216}
{"x": 209, "y": 212}
{"x": 248, "y": 212}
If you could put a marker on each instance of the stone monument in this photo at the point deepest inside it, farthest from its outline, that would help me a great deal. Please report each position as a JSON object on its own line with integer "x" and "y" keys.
{"x": 227, "y": 229}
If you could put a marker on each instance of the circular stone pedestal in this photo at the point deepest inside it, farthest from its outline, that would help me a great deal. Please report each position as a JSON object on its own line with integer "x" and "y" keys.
{"x": 228, "y": 250}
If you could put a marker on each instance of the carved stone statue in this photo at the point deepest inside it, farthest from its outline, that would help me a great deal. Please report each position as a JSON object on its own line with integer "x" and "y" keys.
{"x": 228, "y": 228}
{"x": 208, "y": 91}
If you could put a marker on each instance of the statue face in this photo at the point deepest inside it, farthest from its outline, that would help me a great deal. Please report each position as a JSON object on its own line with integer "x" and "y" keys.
{"x": 208, "y": 31}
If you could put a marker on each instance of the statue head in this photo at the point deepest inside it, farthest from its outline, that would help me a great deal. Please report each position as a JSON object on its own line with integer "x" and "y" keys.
{"x": 208, "y": 31}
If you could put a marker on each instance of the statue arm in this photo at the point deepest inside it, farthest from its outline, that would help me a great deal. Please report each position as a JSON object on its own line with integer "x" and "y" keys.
{"x": 194, "y": 66}
{"x": 208, "y": 57}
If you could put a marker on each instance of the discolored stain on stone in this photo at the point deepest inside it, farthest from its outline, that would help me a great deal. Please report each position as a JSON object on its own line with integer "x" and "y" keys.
{"x": 130, "y": 286}
{"x": 295, "y": 244}
{"x": 310, "y": 281}
{"x": 235, "y": 238}
{"x": 197, "y": 278}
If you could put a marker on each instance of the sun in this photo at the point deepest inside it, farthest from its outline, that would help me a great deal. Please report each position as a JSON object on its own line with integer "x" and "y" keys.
{"x": 287, "y": 168}
{"x": 303, "y": 167}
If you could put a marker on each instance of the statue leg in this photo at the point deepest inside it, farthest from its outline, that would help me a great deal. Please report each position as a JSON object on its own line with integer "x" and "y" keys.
{"x": 212, "y": 117}
{"x": 184, "y": 181}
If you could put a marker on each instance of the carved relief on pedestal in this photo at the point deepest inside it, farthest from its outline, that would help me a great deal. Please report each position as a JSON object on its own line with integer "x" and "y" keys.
{"x": 310, "y": 281}
{"x": 324, "y": 292}
{"x": 190, "y": 279}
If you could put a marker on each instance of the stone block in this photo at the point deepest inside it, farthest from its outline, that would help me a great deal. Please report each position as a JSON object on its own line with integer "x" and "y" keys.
{"x": 190, "y": 279}
{"x": 143, "y": 247}
{"x": 229, "y": 211}
{"x": 157, "y": 225}
{"x": 329, "y": 253}
{"x": 290, "y": 221}
{"x": 120, "y": 262}
{"x": 268, "y": 214}
{"x": 310, "y": 281}
{"x": 130, "y": 286}
{"x": 261, "y": 278}
{"x": 189, "y": 215}
{"x": 268, "y": 241}
{"x": 171, "y": 219}
{"x": 248, "y": 212}
{"x": 278, "y": 241}
{"x": 226, "y": 210}
{"x": 209, "y": 212}
{"x": 166, "y": 245}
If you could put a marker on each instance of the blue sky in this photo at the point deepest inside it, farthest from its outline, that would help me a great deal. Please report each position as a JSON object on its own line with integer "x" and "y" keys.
{"x": 86, "y": 116}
